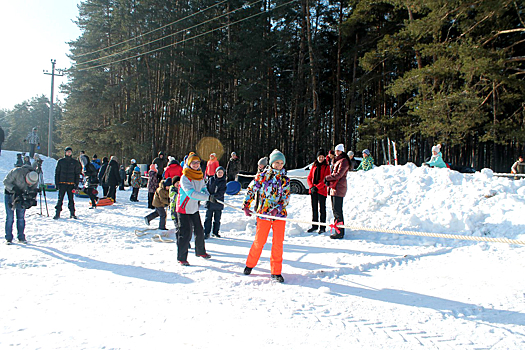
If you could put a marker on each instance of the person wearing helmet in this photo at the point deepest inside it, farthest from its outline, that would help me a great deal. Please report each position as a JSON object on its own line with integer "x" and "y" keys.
{"x": 21, "y": 188}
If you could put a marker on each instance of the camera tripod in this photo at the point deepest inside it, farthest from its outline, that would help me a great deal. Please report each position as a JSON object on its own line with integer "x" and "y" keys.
{"x": 41, "y": 185}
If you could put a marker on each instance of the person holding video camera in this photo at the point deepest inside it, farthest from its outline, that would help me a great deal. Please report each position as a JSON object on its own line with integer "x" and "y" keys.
{"x": 67, "y": 177}
{"x": 21, "y": 188}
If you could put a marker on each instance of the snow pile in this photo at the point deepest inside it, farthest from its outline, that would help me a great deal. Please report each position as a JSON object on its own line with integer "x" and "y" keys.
{"x": 431, "y": 200}
{"x": 8, "y": 160}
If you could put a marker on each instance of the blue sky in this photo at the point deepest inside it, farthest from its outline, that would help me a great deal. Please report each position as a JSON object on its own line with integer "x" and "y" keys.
{"x": 32, "y": 32}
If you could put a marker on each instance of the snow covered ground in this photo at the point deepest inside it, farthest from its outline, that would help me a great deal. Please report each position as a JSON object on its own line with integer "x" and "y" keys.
{"x": 93, "y": 284}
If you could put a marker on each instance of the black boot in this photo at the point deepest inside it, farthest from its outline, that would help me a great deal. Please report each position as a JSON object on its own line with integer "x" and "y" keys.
{"x": 57, "y": 216}
{"x": 312, "y": 229}
{"x": 248, "y": 270}
{"x": 337, "y": 236}
{"x": 278, "y": 278}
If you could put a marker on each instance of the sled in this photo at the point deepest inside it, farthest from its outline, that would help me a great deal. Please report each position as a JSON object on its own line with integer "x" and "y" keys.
{"x": 48, "y": 187}
{"x": 102, "y": 202}
{"x": 81, "y": 194}
{"x": 233, "y": 188}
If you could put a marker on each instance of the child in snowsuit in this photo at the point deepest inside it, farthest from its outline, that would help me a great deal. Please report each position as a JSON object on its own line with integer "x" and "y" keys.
{"x": 192, "y": 190}
{"x": 135, "y": 184}
{"x": 436, "y": 161}
{"x": 174, "y": 192}
{"x": 274, "y": 187}
{"x": 367, "y": 163}
{"x": 91, "y": 184}
{"x": 161, "y": 200}
{"x": 217, "y": 187}
{"x": 153, "y": 183}
{"x": 122, "y": 173}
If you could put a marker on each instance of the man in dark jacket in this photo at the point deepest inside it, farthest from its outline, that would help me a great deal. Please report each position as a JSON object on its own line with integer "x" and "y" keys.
{"x": 337, "y": 183}
{"x": 217, "y": 187}
{"x": 21, "y": 187}
{"x": 101, "y": 172}
{"x": 112, "y": 178}
{"x": 67, "y": 177}
{"x": 232, "y": 168}
{"x": 161, "y": 162}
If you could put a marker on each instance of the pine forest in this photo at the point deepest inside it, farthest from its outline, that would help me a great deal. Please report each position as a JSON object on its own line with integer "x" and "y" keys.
{"x": 296, "y": 75}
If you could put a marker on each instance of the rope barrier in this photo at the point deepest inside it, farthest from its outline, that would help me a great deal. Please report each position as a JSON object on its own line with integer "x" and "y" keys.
{"x": 337, "y": 226}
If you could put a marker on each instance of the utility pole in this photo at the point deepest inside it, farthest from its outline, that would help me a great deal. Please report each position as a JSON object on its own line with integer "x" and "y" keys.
{"x": 50, "y": 136}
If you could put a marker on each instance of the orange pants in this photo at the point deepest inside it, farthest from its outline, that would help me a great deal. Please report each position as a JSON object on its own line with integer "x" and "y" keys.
{"x": 261, "y": 235}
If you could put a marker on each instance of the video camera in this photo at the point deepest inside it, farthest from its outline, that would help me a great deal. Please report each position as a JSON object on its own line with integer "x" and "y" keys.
{"x": 26, "y": 199}
{"x": 38, "y": 166}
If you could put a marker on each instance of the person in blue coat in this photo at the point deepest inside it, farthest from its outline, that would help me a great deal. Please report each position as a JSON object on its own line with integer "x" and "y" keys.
{"x": 217, "y": 187}
{"x": 436, "y": 161}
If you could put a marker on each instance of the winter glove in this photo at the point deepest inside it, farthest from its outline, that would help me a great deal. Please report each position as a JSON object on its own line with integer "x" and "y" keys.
{"x": 247, "y": 211}
{"x": 313, "y": 190}
{"x": 327, "y": 183}
{"x": 212, "y": 199}
{"x": 274, "y": 212}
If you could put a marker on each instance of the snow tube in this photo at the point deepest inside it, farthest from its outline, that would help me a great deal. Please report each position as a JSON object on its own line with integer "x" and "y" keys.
{"x": 81, "y": 194}
{"x": 49, "y": 187}
{"x": 102, "y": 202}
{"x": 233, "y": 188}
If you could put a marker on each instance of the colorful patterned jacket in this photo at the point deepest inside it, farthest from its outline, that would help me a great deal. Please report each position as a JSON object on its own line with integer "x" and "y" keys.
{"x": 273, "y": 187}
{"x": 174, "y": 192}
{"x": 366, "y": 164}
{"x": 136, "y": 179}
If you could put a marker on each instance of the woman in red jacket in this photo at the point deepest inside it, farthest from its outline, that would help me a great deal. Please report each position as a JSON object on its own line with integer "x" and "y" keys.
{"x": 318, "y": 190}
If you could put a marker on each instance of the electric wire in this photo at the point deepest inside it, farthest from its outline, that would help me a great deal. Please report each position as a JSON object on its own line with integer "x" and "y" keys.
{"x": 187, "y": 39}
{"x": 167, "y": 36}
{"x": 151, "y": 31}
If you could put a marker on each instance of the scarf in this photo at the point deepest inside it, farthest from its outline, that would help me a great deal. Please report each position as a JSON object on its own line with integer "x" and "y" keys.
{"x": 317, "y": 172}
{"x": 193, "y": 174}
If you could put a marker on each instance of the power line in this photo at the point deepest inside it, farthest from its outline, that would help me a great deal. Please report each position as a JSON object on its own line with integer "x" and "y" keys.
{"x": 152, "y": 31}
{"x": 168, "y": 36}
{"x": 187, "y": 39}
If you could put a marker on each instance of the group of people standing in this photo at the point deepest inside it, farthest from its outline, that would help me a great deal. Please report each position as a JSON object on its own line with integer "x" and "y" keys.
{"x": 327, "y": 177}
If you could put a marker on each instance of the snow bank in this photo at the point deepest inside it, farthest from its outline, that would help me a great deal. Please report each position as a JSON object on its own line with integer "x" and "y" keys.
{"x": 8, "y": 160}
{"x": 431, "y": 200}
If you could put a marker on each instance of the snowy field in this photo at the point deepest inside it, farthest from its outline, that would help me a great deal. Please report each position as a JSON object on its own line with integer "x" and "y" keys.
{"x": 93, "y": 284}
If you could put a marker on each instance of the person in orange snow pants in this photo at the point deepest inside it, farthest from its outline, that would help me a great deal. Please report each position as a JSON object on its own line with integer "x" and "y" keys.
{"x": 272, "y": 187}
{"x": 261, "y": 235}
